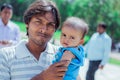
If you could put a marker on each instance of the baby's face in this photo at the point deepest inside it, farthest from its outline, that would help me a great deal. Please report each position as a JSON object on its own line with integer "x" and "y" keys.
{"x": 70, "y": 37}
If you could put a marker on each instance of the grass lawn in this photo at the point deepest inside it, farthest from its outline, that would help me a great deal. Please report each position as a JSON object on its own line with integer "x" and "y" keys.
{"x": 114, "y": 61}
{"x": 21, "y": 25}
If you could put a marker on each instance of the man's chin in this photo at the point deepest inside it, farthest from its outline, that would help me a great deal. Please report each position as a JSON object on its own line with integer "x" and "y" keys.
{"x": 42, "y": 43}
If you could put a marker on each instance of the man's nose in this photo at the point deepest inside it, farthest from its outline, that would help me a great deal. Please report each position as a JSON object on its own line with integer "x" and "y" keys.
{"x": 43, "y": 29}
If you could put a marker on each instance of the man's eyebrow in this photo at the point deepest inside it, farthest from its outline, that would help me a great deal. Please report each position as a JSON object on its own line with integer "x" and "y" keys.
{"x": 52, "y": 22}
{"x": 38, "y": 19}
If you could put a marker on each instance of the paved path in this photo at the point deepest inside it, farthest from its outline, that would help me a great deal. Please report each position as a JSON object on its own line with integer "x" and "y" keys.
{"x": 110, "y": 72}
{"x": 115, "y": 55}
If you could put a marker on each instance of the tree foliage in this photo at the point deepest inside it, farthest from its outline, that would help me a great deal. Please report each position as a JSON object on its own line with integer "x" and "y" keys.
{"x": 19, "y": 6}
{"x": 93, "y": 12}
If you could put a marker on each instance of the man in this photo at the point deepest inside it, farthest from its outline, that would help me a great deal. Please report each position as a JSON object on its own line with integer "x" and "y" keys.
{"x": 98, "y": 49}
{"x": 9, "y": 32}
{"x": 31, "y": 60}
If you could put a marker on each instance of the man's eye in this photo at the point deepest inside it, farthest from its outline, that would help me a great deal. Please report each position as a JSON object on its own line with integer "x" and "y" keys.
{"x": 52, "y": 25}
{"x": 38, "y": 22}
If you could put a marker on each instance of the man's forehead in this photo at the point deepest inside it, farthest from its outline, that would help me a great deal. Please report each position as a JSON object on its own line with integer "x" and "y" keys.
{"x": 47, "y": 16}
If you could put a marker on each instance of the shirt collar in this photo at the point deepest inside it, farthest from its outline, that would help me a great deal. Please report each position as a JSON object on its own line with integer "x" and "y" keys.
{"x": 8, "y": 24}
{"x": 50, "y": 49}
{"x": 102, "y": 35}
{"x": 22, "y": 51}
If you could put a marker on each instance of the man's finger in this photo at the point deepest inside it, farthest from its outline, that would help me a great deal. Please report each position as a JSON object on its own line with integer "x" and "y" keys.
{"x": 61, "y": 74}
{"x": 62, "y": 63}
{"x": 63, "y": 69}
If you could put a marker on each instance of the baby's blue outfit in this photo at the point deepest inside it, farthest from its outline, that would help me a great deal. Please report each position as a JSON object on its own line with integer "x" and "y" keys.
{"x": 73, "y": 68}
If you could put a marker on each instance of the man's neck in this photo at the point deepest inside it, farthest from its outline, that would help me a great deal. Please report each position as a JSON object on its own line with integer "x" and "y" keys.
{"x": 101, "y": 33}
{"x": 35, "y": 49}
{"x": 4, "y": 22}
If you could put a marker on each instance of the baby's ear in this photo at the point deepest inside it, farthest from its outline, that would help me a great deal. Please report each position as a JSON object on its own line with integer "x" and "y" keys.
{"x": 81, "y": 41}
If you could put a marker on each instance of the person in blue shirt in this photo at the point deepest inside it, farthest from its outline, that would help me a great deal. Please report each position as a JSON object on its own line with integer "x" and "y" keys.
{"x": 73, "y": 32}
{"x": 98, "y": 49}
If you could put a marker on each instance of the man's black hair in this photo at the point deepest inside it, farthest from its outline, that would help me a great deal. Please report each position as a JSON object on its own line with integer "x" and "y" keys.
{"x": 6, "y": 5}
{"x": 103, "y": 25}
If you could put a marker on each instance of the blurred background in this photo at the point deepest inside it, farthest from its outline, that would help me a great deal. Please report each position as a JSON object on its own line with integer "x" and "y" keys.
{"x": 92, "y": 11}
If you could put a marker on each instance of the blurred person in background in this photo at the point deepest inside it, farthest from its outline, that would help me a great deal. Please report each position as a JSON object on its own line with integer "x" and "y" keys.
{"x": 9, "y": 31}
{"x": 98, "y": 49}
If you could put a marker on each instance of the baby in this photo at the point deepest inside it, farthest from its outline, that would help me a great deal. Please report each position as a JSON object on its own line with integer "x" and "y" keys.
{"x": 72, "y": 34}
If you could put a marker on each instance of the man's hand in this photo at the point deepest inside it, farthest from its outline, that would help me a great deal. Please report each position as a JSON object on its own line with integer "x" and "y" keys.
{"x": 54, "y": 72}
{"x": 4, "y": 42}
{"x": 101, "y": 67}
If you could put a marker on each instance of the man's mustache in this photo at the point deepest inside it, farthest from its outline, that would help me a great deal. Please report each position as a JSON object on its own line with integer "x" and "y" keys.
{"x": 43, "y": 34}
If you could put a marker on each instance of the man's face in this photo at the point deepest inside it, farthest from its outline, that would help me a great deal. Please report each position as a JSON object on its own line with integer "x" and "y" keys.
{"x": 6, "y": 14}
{"x": 41, "y": 29}
{"x": 100, "y": 29}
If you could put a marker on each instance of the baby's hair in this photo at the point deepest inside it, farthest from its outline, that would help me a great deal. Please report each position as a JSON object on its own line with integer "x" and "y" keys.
{"x": 77, "y": 24}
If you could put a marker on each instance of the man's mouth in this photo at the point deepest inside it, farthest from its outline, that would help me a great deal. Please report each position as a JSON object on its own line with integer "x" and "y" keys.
{"x": 43, "y": 35}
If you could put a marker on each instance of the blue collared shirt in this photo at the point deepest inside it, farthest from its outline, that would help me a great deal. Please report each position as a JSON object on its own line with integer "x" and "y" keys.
{"x": 74, "y": 66}
{"x": 99, "y": 47}
{"x": 9, "y": 32}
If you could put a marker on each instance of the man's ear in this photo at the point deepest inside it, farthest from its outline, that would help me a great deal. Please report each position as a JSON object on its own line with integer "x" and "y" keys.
{"x": 81, "y": 41}
{"x": 26, "y": 25}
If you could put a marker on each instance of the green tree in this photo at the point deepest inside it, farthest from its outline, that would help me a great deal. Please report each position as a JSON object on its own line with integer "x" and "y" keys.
{"x": 93, "y": 12}
{"x": 19, "y": 6}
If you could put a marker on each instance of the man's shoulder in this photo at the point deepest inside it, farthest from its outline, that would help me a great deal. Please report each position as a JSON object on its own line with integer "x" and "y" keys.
{"x": 10, "y": 52}
{"x": 94, "y": 34}
{"x": 0, "y": 21}
{"x": 7, "y": 52}
{"x": 7, "y": 49}
{"x": 107, "y": 37}
{"x": 12, "y": 24}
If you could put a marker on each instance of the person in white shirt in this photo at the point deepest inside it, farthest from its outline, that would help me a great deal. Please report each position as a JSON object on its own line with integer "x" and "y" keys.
{"x": 10, "y": 32}
{"x": 32, "y": 59}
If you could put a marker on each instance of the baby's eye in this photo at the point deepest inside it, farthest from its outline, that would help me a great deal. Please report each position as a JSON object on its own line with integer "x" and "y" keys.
{"x": 63, "y": 35}
{"x": 72, "y": 37}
